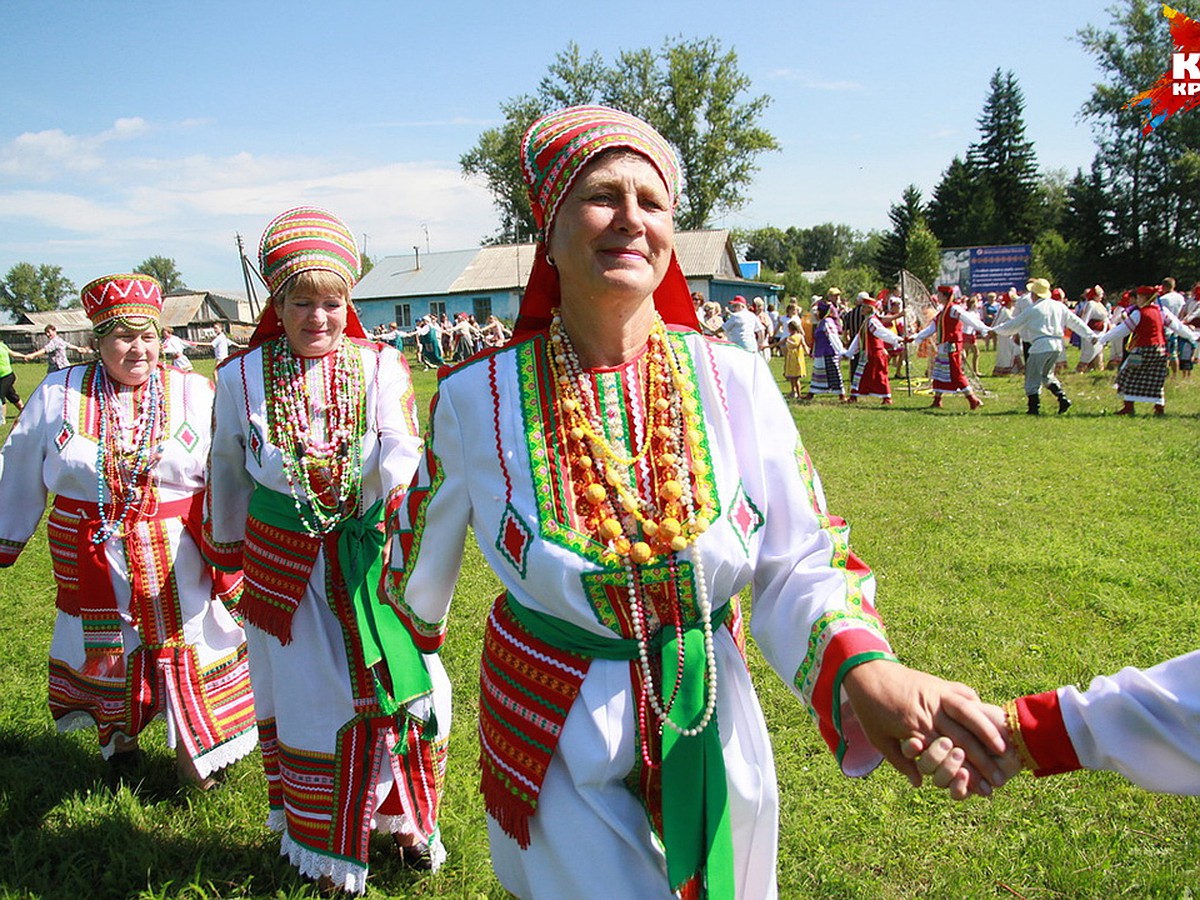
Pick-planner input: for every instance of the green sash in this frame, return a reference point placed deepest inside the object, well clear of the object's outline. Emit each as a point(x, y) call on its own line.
point(696, 829)
point(386, 643)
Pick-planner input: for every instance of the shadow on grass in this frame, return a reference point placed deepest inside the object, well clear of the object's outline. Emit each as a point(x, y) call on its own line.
point(68, 832)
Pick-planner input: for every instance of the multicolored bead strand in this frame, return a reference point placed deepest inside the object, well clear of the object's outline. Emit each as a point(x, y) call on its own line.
point(126, 451)
point(320, 436)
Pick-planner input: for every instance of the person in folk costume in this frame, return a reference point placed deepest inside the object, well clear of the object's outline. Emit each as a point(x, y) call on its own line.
point(853, 319)
point(1189, 316)
point(895, 316)
point(827, 354)
point(144, 628)
point(870, 346)
point(625, 477)
point(1116, 315)
point(1045, 321)
point(1008, 347)
point(1143, 370)
point(315, 440)
point(1141, 723)
point(947, 325)
point(1091, 310)
point(1059, 296)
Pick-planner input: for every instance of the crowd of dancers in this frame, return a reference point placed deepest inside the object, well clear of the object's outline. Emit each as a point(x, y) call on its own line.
point(1148, 332)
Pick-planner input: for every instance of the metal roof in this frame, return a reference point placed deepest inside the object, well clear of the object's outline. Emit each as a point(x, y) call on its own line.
point(398, 276)
point(702, 254)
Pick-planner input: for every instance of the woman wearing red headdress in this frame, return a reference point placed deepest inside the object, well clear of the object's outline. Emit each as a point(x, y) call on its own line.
point(1143, 371)
point(872, 342)
point(947, 325)
point(625, 478)
point(143, 628)
point(314, 442)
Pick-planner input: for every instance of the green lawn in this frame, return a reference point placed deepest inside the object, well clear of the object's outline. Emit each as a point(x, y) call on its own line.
point(1013, 553)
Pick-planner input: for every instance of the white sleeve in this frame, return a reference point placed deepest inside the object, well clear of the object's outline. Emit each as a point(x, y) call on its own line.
point(927, 331)
point(396, 424)
point(884, 333)
point(22, 482)
point(227, 494)
point(1172, 324)
point(430, 530)
point(1142, 724)
point(1119, 331)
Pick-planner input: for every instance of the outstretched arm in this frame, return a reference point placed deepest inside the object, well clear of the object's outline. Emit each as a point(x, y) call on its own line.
point(900, 709)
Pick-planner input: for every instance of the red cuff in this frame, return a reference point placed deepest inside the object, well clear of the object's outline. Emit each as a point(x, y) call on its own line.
point(1044, 734)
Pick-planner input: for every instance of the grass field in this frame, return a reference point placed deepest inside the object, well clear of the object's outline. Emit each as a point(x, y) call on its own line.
point(1012, 553)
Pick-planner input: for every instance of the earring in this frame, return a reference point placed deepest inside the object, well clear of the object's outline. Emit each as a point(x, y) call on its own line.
point(550, 260)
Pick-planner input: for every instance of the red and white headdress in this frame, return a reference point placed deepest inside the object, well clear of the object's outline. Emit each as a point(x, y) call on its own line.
point(554, 151)
point(113, 297)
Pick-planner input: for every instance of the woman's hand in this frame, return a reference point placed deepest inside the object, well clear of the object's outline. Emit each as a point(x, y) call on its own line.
point(903, 709)
point(942, 761)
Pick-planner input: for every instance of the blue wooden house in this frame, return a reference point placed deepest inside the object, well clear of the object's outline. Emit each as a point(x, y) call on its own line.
point(489, 281)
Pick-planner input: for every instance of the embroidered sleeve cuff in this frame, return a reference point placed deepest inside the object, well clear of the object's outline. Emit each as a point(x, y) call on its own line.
point(428, 636)
point(1041, 735)
point(846, 648)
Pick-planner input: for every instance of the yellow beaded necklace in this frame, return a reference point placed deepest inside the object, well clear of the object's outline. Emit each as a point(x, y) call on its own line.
point(607, 497)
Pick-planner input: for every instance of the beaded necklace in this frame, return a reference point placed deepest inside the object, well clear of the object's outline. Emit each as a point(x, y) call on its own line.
point(128, 446)
point(318, 418)
point(638, 530)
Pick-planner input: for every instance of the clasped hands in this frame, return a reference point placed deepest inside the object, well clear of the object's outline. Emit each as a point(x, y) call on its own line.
point(928, 727)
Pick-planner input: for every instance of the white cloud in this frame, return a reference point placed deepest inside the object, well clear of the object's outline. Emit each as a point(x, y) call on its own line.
point(71, 200)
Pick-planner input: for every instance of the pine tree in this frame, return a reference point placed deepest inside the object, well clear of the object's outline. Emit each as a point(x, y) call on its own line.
point(962, 208)
point(1006, 163)
point(892, 255)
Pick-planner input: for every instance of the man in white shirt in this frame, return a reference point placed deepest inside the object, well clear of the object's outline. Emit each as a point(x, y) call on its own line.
point(743, 327)
point(1044, 321)
point(1172, 301)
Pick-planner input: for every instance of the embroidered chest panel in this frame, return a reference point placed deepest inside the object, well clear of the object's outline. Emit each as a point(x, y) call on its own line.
point(622, 420)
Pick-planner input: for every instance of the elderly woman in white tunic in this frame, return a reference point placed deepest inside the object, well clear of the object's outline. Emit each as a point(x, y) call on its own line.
point(626, 477)
point(144, 626)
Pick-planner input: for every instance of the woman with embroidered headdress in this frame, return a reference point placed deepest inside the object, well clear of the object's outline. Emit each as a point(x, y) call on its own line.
point(947, 327)
point(314, 442)
point(143, 629)
point(625, 477)
point(871, 345)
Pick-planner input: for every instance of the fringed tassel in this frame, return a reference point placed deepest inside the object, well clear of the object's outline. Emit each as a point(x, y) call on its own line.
point(505, 804)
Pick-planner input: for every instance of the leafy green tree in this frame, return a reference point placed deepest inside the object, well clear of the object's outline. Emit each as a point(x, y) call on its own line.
point(30, 288)
point(770, 246)
point(692, 91)
point(892, 255)
point(922, 252)
point(1144, 176)
point(1053, 259)
point(163, 269)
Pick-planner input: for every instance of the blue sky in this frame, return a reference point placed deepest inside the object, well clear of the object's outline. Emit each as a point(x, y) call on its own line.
point(132, 129)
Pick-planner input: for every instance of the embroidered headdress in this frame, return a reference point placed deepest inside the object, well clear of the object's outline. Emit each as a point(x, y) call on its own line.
point(554, 151)
point(306, 239)
point(116, 298)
